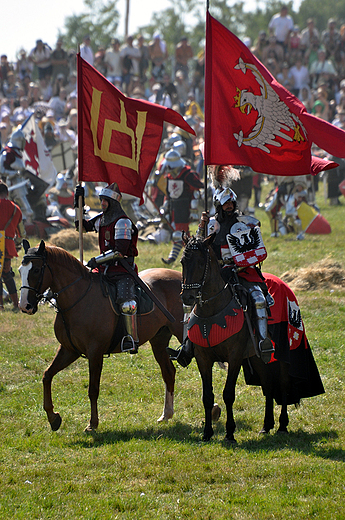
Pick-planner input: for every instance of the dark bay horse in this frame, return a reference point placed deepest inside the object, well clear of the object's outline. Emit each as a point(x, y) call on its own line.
point(203, 285)
point(86, 325)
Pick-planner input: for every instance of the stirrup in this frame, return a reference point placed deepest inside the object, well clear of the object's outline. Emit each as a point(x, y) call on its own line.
point(173, 354)
point(266, 349)
point(129, 345)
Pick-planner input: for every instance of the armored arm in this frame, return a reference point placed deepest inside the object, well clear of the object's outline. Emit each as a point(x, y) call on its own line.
point(103, 258)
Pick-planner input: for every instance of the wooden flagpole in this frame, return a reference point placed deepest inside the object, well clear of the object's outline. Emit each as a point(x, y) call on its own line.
point(80, 153)
point(205, 165)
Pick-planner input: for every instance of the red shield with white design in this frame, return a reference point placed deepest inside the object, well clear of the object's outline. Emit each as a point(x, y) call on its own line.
point(246, 245)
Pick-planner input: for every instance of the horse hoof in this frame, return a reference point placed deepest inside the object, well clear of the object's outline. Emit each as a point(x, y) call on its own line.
point(231, 441)
point(216, 411)
point(165, 417)
point(55, 425)
point(264, 431)
point(89, 429)
point(285, 431)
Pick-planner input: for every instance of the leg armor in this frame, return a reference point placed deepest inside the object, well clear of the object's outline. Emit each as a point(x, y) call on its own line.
point(128, 306)
point(260, 305)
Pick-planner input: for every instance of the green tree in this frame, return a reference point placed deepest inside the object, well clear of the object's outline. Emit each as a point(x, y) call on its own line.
point(100, 20)
point(321, 11)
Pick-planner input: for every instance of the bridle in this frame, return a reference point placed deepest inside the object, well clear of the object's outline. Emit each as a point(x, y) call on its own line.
point(51, 296)
point(36, 290)
point(200, 285)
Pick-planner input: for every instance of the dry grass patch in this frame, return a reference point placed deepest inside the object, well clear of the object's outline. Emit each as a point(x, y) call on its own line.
point(325, 274)
point(69, 239)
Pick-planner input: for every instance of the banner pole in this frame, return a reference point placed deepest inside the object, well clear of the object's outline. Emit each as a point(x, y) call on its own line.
point(205, 165)
point(80, 153)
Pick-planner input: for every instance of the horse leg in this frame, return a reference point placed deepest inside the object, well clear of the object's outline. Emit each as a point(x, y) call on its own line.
point(63, 359)
point(269, 414)
point(205, 369)
point(95, 371)
point(229, 399)
point(266, 381)
point(284, 384)
point(159, 344)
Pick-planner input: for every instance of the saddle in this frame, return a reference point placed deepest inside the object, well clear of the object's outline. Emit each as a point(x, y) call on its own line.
point(109, 290)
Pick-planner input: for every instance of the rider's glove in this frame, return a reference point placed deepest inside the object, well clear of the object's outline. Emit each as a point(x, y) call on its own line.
point(79, 192)
point(92, 264)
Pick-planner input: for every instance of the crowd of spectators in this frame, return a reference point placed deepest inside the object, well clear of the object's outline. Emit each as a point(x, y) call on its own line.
point(308, 62)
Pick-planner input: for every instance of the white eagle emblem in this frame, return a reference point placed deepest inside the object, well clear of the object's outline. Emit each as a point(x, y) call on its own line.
point(274, 117)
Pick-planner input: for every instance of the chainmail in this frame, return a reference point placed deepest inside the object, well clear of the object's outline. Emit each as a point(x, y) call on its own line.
point(113, 212)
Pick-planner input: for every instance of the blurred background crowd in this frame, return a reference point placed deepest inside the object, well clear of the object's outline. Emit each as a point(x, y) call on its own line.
point(309, 61)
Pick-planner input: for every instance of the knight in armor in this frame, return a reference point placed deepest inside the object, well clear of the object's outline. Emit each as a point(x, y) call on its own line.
point(117, 239)
point(12, 232)
point(11, 159)
point(11, 167)
point(181, 182)
point(229, 223)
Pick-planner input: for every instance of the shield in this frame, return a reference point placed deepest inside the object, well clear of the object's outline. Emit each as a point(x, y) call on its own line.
point(246, 245)
point(2, 250)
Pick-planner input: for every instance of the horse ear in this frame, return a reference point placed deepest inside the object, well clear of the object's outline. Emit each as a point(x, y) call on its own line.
point(42, 247)
point(185, 238)
point(26, 245)
point(209, 239)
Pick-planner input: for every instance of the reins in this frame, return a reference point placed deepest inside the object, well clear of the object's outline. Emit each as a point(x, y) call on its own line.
point(201, 284)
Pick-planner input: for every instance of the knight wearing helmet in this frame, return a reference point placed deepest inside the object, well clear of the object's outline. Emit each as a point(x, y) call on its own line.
point(117, 239)
point(11, 159)
point(181, 183)
point(239, 248)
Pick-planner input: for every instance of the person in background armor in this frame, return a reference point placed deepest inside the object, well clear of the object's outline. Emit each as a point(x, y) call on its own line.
point(12, 226)
point(117, 239)
point(11, 159)
point(182, 181)
point(227, 222)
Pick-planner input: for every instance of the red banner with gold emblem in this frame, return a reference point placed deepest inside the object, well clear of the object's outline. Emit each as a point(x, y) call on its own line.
point(118, 137)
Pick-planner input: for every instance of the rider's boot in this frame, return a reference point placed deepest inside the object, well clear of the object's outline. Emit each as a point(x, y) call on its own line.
point(130, 342)
point(184, 354)
point(266, 347)
point(126, 299)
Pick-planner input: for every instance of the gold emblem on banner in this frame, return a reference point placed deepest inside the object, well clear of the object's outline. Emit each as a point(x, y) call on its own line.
point(113, 126)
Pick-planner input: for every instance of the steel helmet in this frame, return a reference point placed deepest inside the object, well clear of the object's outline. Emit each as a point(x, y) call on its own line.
point(222, 195)
point(180, 147)
point(17, 140)
point(171, 140)
point(60, 180)
point(112, 192)
point(174, 160)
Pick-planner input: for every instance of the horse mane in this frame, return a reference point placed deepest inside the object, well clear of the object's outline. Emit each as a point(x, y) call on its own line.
point(65, 259)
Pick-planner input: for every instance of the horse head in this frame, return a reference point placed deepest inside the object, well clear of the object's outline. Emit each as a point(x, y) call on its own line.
point(32, 277)
point(195, 268)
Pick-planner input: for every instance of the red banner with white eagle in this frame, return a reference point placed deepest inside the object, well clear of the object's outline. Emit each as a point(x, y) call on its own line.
point(119, 137)
point(250, 119)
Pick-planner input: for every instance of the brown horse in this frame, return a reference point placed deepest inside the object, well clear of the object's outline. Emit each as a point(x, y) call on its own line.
point(204, 286)
point(86, 325)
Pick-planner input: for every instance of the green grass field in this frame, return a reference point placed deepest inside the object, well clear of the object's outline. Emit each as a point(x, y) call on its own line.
point(135, 468)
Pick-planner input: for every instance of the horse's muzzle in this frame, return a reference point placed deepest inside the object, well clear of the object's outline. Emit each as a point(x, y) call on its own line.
point(188, 297)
